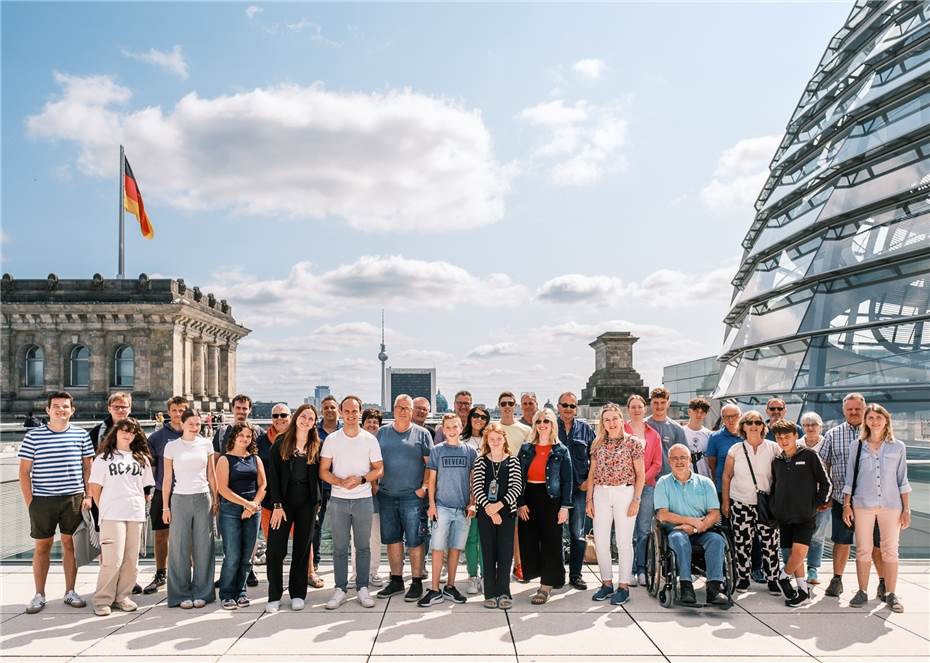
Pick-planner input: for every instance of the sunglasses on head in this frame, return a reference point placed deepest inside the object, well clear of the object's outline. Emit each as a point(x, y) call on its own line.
point(279, 415)
point(570, 406)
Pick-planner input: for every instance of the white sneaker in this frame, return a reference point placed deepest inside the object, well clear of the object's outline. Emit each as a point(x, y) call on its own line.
point(473, 583)
point(74, 599)
point(273, 606)
point(36, 604)
point(365, 598)
point(641, 579)
point(337, 599)
point(375, 580)
point(297, 604)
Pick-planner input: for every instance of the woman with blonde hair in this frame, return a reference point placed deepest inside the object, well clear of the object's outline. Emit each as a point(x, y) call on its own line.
point(546, 472)
point(496, 485)
point(615, 481)
point(877, 489)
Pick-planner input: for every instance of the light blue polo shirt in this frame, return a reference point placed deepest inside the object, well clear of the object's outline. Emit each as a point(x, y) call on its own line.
point(693, 498)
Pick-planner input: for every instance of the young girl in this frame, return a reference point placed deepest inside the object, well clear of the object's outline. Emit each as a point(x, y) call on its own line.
point(119, 477)
point(473, 436)
point(240, 479)
point(496, 484)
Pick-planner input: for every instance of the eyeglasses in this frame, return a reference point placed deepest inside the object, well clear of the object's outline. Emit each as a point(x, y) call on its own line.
point(753, 422)
point(776, 409)
point(543, 422)
point(279, 415)
point(570, 406)
point(478, 415)
point(121, 407)
point(463, 403)
point(507, 403)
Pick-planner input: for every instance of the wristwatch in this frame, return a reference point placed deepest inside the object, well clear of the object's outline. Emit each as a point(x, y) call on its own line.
point(364, 480)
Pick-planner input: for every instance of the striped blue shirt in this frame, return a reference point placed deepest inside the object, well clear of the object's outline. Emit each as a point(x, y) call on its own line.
point(56, 459)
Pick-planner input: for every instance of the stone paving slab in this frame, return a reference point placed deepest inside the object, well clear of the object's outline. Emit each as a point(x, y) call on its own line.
point(316, 633)
point(477, 634)
point(850, 634)
point(57, 634)
point(575, 635)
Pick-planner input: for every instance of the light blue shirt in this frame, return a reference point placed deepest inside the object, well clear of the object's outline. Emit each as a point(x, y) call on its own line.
point(693, 498)
point(882, 476)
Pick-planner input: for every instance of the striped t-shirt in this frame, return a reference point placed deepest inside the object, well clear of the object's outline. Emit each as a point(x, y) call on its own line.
point(56, 459)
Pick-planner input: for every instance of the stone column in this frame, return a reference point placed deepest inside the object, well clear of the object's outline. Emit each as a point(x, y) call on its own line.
point(188, 364)
point(223, 371)
point(197, 366)
point(213, 369)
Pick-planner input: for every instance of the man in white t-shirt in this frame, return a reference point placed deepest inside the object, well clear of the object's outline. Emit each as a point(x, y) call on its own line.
point(698, 434)
point(517, 433)
point(350, 461)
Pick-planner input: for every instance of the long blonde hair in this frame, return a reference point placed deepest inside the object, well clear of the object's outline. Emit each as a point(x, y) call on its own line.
point(601, 436)
point(549, 415)
point(865, 433)
point(494, 428)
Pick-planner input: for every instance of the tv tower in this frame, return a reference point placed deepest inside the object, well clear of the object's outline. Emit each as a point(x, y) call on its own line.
point(382, 357)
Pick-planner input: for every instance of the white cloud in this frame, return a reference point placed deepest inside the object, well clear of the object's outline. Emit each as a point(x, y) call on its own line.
point(172, 62)
point(371, 281)
point(591, 69)
point(741, 171)
point(252, 10)
point(572, 288)
point(494, 350)
point(582, 140)
point(397, 160)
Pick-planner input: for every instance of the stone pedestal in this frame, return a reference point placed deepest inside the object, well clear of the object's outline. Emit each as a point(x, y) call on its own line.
point(614, 379)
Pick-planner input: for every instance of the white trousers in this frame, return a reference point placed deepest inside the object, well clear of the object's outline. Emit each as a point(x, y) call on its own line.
point(610, 508)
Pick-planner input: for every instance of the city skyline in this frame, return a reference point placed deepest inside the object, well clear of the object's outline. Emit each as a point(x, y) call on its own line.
point(545, 174)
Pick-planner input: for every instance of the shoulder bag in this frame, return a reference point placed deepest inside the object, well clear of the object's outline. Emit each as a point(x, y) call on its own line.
point(763, 510)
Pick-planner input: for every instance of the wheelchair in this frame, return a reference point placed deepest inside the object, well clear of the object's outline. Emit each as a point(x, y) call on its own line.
point(662, 573)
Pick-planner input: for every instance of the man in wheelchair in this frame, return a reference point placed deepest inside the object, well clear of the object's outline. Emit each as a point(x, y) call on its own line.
point(688, 513)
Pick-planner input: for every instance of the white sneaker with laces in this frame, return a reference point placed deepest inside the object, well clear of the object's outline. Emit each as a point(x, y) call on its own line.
point(337, 599)
point(297, 604)
point(375, 580)
point(365, 598)
point(472, 587)
point(74, 599)
point(273, 606)
point(36, 604)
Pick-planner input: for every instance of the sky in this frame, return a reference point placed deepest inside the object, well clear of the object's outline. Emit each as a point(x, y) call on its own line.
point(507, 181)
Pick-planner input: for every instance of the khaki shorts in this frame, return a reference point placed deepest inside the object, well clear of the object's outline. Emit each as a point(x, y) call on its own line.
point(48, 512)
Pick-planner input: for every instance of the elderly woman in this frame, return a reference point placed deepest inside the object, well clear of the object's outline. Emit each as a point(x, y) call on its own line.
point(877, 490)
point(748, 470)
point(546, 472)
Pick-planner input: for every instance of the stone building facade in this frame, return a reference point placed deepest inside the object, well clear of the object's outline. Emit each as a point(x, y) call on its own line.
point(155, 338)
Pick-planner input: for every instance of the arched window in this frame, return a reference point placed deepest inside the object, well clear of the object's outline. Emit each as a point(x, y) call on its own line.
point(124, 366)
point(80, 367)
point(35, 367)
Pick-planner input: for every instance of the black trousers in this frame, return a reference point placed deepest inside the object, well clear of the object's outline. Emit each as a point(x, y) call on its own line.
point(496, 552)
point(302, 516)
point(319, 526)
point(541, 538)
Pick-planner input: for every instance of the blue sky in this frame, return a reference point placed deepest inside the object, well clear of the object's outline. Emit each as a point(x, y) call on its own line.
point(506, 181)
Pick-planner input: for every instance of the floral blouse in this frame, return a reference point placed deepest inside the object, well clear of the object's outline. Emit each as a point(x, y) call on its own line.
point(614, 461)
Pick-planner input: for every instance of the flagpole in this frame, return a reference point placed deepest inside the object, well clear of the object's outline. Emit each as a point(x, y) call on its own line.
point(122, 214)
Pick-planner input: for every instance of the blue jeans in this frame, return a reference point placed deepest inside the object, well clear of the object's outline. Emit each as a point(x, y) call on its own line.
point(815, 552)
point(643, 526)
point(713, 544)
point(238, 541)
point(576, 530)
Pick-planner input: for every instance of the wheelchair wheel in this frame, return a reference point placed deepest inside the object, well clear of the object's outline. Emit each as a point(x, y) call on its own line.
point(667, 595)
point(729, 572)
point(652, 565)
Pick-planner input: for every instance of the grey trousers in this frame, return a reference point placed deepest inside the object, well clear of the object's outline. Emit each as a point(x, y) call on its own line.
point(190, 538)
point(355, 516)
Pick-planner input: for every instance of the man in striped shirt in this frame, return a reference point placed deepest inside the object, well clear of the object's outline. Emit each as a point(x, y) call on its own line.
point(54, 466)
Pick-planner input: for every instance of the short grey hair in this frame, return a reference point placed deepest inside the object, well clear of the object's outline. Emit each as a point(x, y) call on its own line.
point(281, 406)
point(403, 397)
point(738, 410)
point(811, 418)
point(854, 396)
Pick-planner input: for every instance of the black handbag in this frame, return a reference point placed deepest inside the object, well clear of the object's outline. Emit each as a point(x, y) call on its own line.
point(763, 509)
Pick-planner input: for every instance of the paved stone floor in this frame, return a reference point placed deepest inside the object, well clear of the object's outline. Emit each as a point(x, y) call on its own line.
point(571, 627)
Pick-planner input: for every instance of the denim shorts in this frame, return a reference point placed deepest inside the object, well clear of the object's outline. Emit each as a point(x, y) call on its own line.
point(449, 530)
point(400, 519)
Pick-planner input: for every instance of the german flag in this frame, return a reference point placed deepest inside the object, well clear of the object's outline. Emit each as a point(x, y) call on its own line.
point(132, 201)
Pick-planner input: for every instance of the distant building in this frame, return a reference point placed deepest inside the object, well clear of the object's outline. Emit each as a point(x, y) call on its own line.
point(415, 382)
point(688, 380)
point(442, 405)
point(262, 409)
point(155, 338)
point(320, 392)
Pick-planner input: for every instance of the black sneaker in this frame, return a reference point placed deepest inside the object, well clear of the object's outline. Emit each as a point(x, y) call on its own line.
point(251, 580)
point(799, 597)
point(716, 594)
point(160, 580)
point(137, 589)
point(395, 586)
point(578, 583)
point(835, 588)
point(742, 585)
point(453, 594)
point(880, 594)
point(786, 588)
point(687, 592)
point(432, 597)
point(774, 588)
point(415, 591)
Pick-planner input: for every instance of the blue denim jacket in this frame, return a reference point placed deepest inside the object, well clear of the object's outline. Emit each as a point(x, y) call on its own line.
point(559, 479)
point(578, 440)
point(882, 477)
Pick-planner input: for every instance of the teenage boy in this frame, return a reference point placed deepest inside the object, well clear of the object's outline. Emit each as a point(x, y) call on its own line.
point(451, 507)
point(698, 435)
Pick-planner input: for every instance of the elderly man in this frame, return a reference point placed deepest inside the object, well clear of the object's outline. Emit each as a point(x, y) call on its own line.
point(719, 443)
point(421, 409)
point(687, 507)
point(577, 436)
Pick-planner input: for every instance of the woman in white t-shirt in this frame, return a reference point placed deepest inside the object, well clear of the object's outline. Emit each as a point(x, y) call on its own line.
point(189, 491)
point(119, 477)
point(740, 501)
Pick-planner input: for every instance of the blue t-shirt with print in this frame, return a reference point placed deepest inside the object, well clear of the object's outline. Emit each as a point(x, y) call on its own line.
point(453, 465)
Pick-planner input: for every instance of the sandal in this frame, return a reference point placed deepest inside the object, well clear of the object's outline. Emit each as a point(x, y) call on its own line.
point(314, 581)
point(540, 597)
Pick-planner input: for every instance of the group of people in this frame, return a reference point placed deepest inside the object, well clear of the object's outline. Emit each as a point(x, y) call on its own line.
point(500, 492)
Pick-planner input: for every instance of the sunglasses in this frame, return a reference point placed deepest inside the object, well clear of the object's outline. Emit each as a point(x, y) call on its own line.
point(483, 417)
point(570, 406)
point(754, 422)
point(507, 403)
point(279, 415)
point(543, 422)
point(776, 409)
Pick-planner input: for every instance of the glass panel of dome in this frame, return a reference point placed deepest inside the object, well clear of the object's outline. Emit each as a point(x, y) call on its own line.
point(790, 266)
point(877, 130)
point(808, 212)
point(768, 369)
